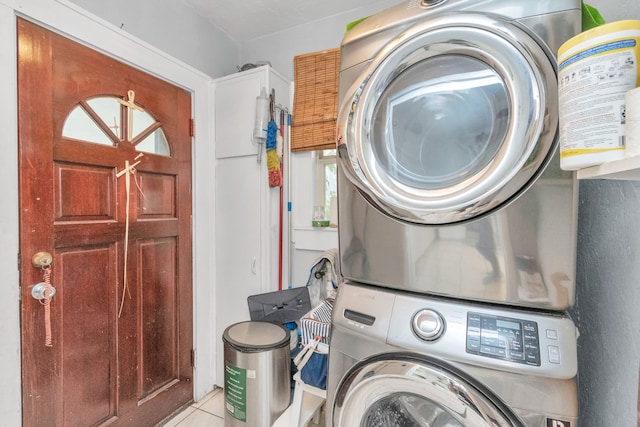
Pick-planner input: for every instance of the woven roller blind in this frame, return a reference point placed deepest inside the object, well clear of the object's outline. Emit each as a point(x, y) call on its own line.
point(315, 100)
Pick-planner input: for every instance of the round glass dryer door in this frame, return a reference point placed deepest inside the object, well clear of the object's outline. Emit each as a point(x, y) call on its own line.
point(407, 390)
point(452, 119)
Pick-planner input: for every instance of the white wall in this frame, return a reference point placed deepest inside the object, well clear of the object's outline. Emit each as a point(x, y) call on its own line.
point(10, 397)
point(280, 48)
point(173, 27)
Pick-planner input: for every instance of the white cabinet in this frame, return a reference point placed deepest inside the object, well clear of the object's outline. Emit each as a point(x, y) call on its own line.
point(235, 103)
point(246, 209)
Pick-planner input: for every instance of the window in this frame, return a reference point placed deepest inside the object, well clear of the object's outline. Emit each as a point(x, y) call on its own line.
point(326, 180)
point(99, 120)
point(315, 107)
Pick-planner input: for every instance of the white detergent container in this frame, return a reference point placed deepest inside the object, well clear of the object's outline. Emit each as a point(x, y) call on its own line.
point(595, 70)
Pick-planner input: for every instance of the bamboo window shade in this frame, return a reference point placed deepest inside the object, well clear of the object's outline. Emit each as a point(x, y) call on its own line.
point(315, 100)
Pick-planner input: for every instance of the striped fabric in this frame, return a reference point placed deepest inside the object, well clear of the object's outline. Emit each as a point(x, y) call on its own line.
point(316, 324)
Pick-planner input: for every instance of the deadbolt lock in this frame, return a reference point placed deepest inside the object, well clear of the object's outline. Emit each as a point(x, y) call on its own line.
point(41, 259)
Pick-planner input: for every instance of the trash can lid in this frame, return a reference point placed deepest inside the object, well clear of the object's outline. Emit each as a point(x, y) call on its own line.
point(253, 336)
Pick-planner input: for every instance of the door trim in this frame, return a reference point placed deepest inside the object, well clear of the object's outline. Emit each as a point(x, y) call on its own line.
point(64, 17)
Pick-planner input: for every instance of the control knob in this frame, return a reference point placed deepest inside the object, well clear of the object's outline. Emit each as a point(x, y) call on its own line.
point(428, 324)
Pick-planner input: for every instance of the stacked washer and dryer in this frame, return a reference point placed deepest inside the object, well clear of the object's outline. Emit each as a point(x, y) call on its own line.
point(457, 227)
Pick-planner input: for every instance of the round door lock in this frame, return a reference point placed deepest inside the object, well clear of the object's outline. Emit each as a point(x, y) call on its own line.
point(428, 324)
point(39, 291)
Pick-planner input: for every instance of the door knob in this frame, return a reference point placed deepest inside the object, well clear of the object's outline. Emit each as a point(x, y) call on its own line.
point(41, 259)
point(43, 290)
point(39, 289)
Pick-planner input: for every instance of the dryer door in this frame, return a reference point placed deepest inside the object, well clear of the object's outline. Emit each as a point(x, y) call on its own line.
point(453, 118)
point(409, 390)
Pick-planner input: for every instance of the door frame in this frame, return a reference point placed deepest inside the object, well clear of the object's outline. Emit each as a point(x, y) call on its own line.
point(68, 19)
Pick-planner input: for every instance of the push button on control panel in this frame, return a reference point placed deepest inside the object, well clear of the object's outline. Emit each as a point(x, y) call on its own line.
point(531, 343)
point(554, 354)
point(473, 333)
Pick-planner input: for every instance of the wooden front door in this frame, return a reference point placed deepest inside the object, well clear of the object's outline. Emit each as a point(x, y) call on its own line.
point(105, 188)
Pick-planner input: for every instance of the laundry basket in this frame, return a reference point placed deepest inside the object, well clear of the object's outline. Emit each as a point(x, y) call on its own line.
point(257, 373)
point(311, 362)
point(315, 329)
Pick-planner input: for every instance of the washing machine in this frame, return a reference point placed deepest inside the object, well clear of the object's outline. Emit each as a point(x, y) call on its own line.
point(401, 359)
point(448, 172)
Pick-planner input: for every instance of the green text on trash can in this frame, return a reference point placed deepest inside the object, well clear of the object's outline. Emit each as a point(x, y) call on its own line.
point(235, 391)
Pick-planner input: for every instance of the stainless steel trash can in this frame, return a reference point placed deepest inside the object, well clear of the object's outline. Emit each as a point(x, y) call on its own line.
point(257, 383)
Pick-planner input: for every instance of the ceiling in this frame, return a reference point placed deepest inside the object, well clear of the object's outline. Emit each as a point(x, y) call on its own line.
point(248, 19)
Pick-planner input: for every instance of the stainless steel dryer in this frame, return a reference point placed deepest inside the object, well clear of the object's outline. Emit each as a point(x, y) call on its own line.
point(448, 176)
point(398, 359)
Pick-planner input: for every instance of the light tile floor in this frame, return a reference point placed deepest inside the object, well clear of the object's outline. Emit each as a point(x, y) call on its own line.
point(209, 412)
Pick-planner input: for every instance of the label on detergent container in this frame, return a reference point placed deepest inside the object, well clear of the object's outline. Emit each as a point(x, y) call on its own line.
point(235, 391)
point(592, 85)
point(595, 70)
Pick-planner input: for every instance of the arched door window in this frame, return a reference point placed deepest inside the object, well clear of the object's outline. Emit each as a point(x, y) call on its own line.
point(103, 120)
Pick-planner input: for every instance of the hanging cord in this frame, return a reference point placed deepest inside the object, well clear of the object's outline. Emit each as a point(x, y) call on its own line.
point(129, 169)
point(46, 302)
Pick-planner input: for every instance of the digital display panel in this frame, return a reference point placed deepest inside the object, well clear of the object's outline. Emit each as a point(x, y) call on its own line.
point(507, 324)
point(503, 338)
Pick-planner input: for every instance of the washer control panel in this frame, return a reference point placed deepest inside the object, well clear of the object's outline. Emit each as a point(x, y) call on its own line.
point(504, 338)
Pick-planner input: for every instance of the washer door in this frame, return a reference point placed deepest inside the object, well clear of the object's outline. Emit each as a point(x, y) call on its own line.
point(402, 389)
point(453, 118)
